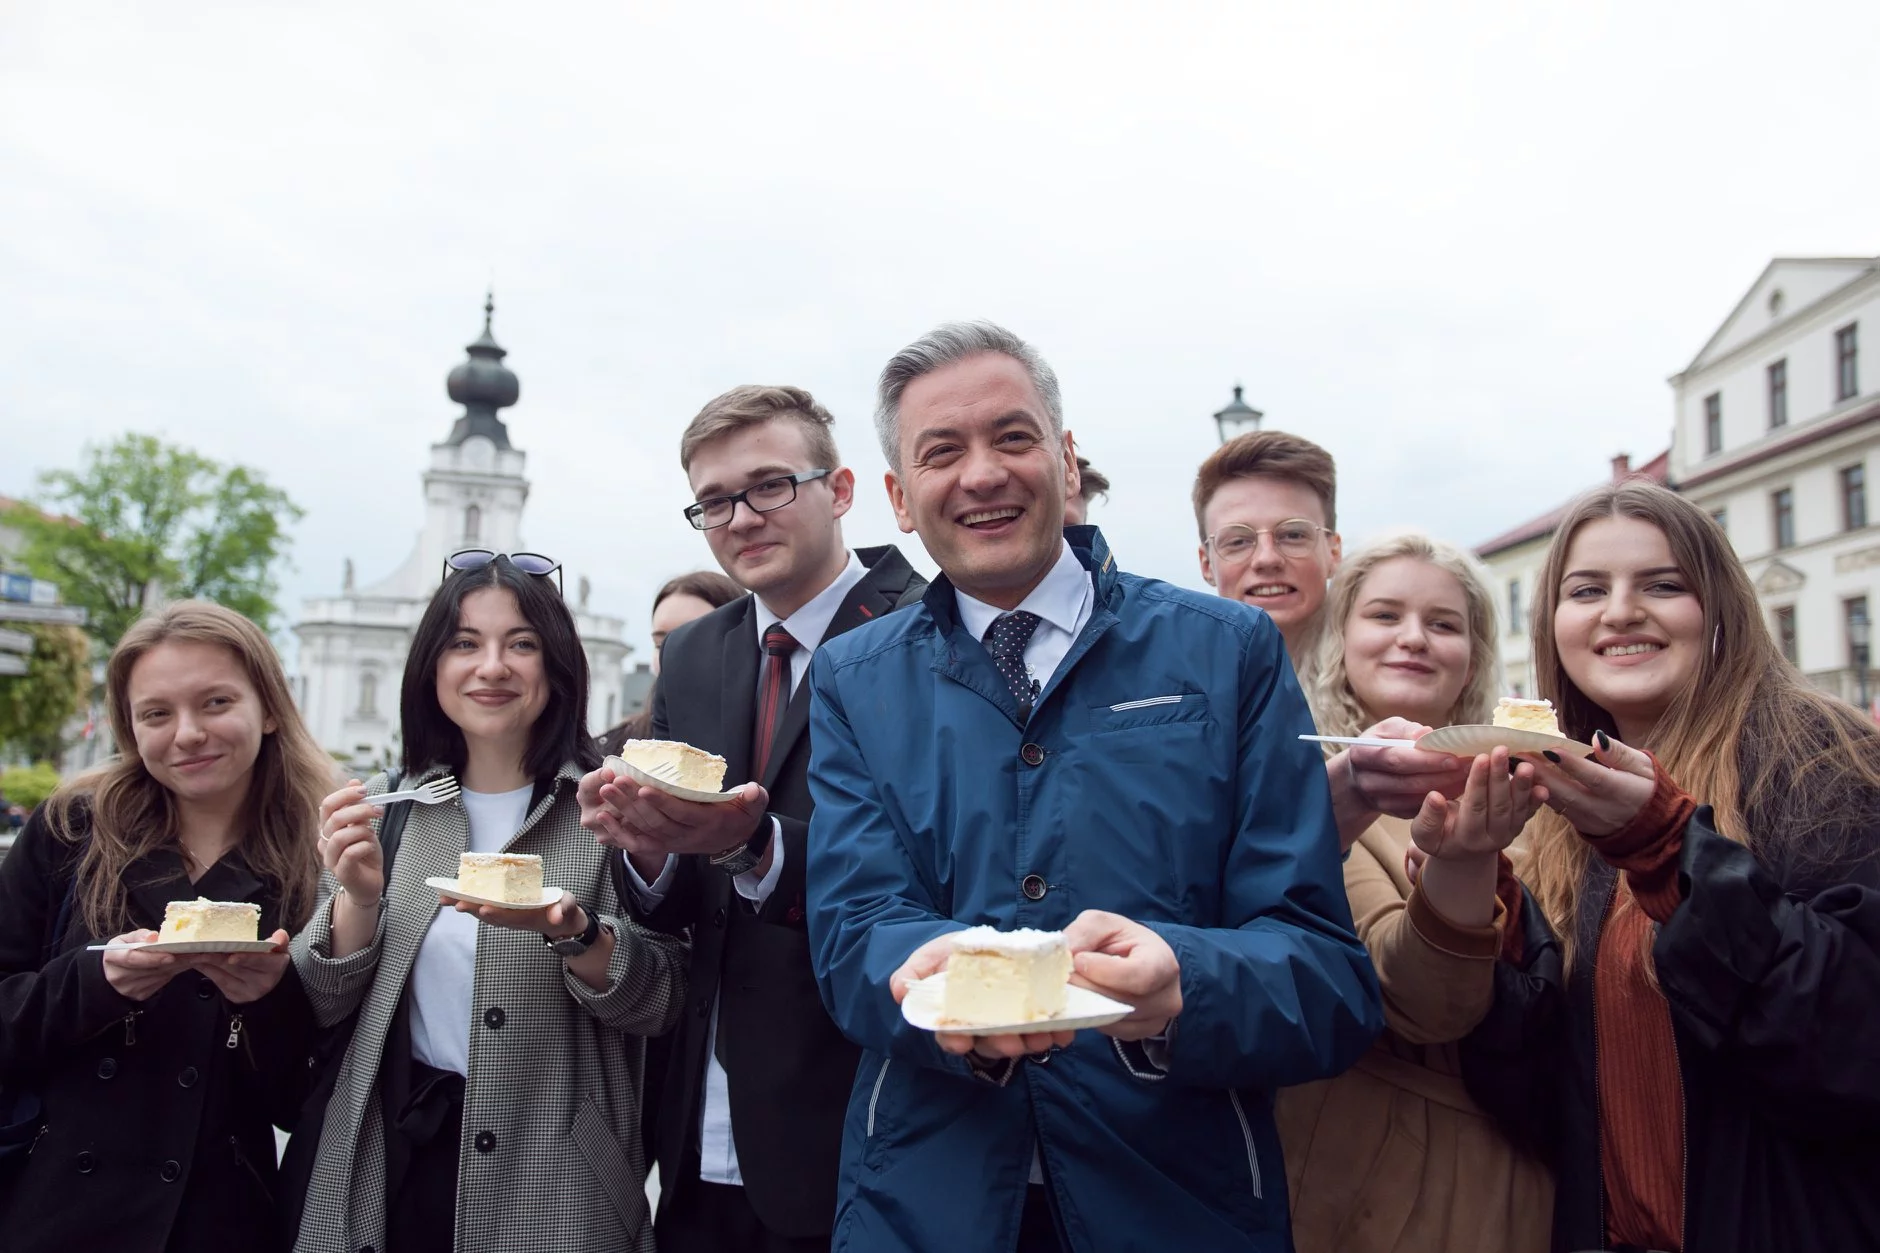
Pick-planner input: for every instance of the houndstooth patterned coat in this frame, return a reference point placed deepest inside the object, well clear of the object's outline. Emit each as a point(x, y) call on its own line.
point(557, 1081)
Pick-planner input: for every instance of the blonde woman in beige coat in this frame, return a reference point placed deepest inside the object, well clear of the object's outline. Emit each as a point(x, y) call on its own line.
point(1393, 1156)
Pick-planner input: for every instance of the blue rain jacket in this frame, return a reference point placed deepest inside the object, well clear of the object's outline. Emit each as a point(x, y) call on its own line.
point(1171, 787)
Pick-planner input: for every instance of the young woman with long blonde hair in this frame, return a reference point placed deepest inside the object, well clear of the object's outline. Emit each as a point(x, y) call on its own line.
point(1393, 1155)
point(157, 1076)
point(1687, 1030)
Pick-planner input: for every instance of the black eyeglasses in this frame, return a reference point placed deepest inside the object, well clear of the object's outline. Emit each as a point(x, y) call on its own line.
point(715, 511)
point(529, 563)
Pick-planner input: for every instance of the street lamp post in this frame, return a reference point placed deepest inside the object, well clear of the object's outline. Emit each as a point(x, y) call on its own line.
point(1859, 635)
point(1237, 417)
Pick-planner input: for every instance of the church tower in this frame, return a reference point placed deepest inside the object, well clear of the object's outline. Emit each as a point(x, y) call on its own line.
point(353, 645)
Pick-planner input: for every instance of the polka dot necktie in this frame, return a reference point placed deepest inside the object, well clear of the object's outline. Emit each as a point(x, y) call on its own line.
point(1005, 640)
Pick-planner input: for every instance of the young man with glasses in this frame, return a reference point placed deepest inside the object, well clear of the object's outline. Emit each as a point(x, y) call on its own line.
point(750, 1113)
point(1265, 503)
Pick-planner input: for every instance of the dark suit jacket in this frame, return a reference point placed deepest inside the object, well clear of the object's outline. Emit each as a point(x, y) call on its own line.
point(789, 1069)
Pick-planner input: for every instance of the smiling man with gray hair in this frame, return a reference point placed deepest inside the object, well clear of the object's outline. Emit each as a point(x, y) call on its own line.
point(1047, 742)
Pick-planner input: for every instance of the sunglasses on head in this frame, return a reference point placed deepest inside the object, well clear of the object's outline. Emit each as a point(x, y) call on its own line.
point(529, 563)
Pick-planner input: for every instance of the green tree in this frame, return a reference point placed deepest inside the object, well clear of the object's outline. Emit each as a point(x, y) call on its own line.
point(26, 786)
point(151, 521)
point(35, 706)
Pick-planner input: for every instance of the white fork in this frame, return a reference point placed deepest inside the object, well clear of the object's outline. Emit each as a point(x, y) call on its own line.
point(436, 792)
point(667, 770)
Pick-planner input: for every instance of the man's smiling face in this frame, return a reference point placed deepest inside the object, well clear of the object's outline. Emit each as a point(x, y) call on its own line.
point(982, 477)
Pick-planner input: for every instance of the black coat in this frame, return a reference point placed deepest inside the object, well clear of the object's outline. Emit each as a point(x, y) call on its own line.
point(788, 1068)
point(158, 1115)
point(1772, 975)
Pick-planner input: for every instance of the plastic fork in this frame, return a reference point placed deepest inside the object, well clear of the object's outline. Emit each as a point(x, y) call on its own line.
point(666, 770)
point(436, 792)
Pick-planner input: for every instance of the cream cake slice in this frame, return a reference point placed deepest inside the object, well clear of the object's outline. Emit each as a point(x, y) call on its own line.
point(515, 878)
point(677, 763)
point(1526, 715)
point(996, 977)
point(204, 919)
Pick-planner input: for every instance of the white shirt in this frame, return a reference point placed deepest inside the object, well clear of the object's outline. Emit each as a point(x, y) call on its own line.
point(718, 1154)
point(443, 980)
point(1063, 602)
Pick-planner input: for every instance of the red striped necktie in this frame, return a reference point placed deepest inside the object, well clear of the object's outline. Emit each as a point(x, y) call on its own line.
point(773, 693)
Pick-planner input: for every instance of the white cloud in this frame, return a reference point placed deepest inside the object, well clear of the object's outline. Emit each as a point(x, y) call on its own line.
point(1461, 245)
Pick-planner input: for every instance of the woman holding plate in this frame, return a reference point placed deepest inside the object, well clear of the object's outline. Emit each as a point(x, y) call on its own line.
point(489, 1097)
point(1393, 1155)
point(138, 1089)
point(1685, 1025)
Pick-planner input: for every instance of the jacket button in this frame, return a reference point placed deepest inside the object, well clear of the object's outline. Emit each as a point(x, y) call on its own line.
point(718, 919)
point(107, 1068)
point(205, 989)
point(486, 1141)
point(170, 1172)
point(1034, 887)
point(87, 1162)
point(493, 1017)
point(1031, 755)
point(188, 1078)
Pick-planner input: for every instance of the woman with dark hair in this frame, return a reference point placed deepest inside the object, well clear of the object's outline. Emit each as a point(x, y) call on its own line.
point(143, 1085)
point(489, 1097)
point(681, 600)
point(1685, 1023)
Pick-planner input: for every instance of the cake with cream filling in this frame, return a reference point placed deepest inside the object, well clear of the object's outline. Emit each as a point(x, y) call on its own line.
point(676, 763)
point(203, 919)
point(1527, 715)
point(515, 878)
point(996, 977)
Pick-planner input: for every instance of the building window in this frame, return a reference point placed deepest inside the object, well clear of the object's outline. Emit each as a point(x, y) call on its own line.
point(1853, 497)
point(1782, 505)
point(1514, 607)
point(1775, 303)
point(1713, 424)
point(1854, 610)
point(472, 524)
point(1779, 393)
point(1785, 632)
point(1722, 518)
point(368, 694)
point(1847, 362)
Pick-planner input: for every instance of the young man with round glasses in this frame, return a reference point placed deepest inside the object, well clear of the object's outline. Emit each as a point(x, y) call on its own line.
point(749, 1117)
point(1265, 503)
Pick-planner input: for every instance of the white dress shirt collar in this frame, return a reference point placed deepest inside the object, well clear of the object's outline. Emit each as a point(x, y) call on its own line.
point(1060, 599)
point(808, 625)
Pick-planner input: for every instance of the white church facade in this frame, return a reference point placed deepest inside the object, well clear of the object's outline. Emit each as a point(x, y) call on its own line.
point(353, 644)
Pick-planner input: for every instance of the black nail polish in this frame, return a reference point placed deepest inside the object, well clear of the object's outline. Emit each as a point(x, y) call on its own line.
point(1551, 755)
point(1605, 744)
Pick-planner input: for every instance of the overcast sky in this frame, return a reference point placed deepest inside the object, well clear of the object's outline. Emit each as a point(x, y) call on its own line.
point(1462, 246)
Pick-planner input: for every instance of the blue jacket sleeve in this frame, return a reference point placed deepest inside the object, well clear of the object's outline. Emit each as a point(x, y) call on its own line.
point(869, 905)
point(1281, 990)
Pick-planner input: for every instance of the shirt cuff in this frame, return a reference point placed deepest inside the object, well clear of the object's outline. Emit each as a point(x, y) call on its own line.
point(650, 895)
point(757, 890)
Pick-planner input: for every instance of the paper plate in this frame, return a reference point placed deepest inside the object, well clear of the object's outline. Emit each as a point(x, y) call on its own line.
point(623, 768)
point(189, 946)
point(449, 888)
point(1472, 741)
point(926, 1000)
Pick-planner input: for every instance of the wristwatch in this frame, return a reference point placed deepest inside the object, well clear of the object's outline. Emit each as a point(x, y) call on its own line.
point(740, 858)
point(575, 945)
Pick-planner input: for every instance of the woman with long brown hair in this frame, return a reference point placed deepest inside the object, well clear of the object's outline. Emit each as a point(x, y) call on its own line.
point(1687, 1030)
point(681, 599)
point(1392, 1156)
point(157, 1077)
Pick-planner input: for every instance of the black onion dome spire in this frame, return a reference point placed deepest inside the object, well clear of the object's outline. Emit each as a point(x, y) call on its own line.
point(482, 385)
